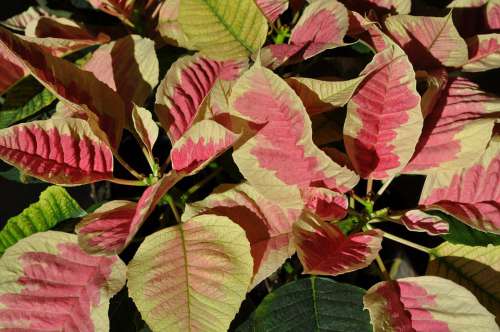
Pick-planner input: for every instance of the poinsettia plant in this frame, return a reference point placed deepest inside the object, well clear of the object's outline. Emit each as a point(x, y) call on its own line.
point(275, 152)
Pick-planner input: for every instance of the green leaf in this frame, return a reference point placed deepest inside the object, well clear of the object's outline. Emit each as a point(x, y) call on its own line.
point(223, 29)
point(13, 174)
point(54, 205)
point(311, 304)
point(32, 106)
point(460, 233)
point(475, 268)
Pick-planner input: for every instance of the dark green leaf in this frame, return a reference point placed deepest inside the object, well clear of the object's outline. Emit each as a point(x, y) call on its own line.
point(13, 174)
point(32, 106)
point(311, 304)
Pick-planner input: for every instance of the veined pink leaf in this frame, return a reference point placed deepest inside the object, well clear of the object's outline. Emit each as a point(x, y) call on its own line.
point(323, 249)
point(281, 158)
point(325, 203)
point(107, 228)
point(493, 14)
point(110, 228)
point(484, 53)
point(187, 83)
point(471, 194)
point(419, 221)
point(129, 66)
point(384, 120)
point(192, 276)
point(268, 227)
point(272, 9)
point(322, 26)
point(315, 93)
point(456, 132)
point(426, 304)
point(50, 284)
point(200, 144)
point(119, 8)
point(74, 86)
point(429, 41)
point(467, 3)
point(21, 20)
point(145, 127)
point(60, 151)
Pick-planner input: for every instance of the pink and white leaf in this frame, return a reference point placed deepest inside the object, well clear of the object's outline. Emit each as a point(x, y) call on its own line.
point(430, 42)
point(169, 27)
point(11, 70)
point(426, 304)
point(493, 14)
point(61, 151)
point(107, 228)
point(50, 284)
point(281, 158)
point(145, 127)
point(456, 132)
point(268, 227)
point(128, 65)
point(184, 88)
point(471, 194)
point(111, 228)
point(21, 20)
point(368, 31)
point(384, 120)
point(322, 26)
point(272, 9)
point(324, 250)
point(76, 87)
point(484, 53)
point(325, 204)
point(420, 221)
point(199, 145)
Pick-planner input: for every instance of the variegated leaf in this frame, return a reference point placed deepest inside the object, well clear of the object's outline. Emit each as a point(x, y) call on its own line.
point(484, 53)
point(192, 276)
point(268, 227)
point(145, 127)
point(420, 221)
point(77, 87)
point(493, 14)
point(128, 65)
point(457, 130)
point(272, 9)
point(110, 228)
point(199, 145)
point(119, 8)
point(50, 284)
point(187, 83)
point(323, 249)
point(471, 194)
point(429, 41)
point(426, 304)
point(281, 158)
point(384, 120)
point(60, 151)
point(325, 204)
point(20, 21)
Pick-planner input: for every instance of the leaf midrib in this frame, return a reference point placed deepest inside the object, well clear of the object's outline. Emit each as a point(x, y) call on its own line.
point(228, 27)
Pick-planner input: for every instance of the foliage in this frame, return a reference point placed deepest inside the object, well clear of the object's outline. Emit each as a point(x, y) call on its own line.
point(258, 140)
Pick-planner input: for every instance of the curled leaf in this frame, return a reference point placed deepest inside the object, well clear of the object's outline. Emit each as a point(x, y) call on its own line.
point(484, 53)
point(145, 127)
point(420, 221)
point(272, 9)
point(323, 248)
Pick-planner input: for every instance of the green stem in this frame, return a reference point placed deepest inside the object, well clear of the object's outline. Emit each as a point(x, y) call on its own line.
point(171, 203)
point(126, 182)
point(407, 243)
point(200, 184)
point(128, 167)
